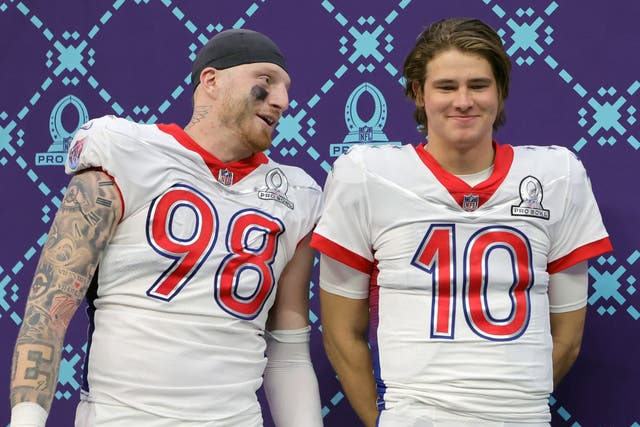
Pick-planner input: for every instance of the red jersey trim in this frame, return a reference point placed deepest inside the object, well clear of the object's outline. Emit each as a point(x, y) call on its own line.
point(374, 306)
point(341, 254)
point(240, 168)
point(583, 253)
point(457, 187)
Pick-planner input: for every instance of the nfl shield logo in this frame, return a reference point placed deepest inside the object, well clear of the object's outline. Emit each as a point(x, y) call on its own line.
point(470, 202)
point(365, 133)
point(225, 177)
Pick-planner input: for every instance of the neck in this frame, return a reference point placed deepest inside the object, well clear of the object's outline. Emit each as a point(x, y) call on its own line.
point(463, 161)
point(218, 140)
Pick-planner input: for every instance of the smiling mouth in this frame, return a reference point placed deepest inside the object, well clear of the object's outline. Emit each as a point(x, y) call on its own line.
point(268, 119)
point(463, 119)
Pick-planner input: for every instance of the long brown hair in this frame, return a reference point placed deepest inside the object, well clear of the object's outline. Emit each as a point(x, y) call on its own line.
point(467, 35)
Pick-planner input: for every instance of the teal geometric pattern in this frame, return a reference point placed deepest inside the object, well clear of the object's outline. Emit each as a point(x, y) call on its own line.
point(364, 45)
point(63, 64)
point(614, 286)
point(70, 375)
point(568, 419)
point(606, 116)
point(562, 412)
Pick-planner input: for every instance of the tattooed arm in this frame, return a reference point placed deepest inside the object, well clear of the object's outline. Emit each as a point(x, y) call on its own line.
point(81, 230)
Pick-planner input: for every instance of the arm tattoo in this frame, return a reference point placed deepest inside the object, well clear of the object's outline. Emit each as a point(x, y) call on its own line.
point(78, 237)
point(36, 362)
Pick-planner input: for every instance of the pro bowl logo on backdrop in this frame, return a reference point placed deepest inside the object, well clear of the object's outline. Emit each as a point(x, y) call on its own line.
point(61, 133)
point(362, 131)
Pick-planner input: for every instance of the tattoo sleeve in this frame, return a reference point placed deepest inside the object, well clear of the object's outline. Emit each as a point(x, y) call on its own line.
point(80, 232)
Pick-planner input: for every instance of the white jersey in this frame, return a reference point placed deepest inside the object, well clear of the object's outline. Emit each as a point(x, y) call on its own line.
point(185, 286)
point(459, 314)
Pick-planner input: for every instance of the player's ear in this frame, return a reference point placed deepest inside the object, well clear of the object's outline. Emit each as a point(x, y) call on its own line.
point(209, 78)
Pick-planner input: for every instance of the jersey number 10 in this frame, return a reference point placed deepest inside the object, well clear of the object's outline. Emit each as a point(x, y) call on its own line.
point(436, 255)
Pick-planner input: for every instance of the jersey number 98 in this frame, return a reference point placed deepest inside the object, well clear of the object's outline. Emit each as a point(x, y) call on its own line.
point(190, 252)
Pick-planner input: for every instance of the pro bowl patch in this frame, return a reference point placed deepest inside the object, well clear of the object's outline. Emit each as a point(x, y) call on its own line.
point(74, 153)
point(530, 199)
point(277, 187)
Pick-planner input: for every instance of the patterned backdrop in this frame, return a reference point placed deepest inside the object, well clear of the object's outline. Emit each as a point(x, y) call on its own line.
point(576, 82)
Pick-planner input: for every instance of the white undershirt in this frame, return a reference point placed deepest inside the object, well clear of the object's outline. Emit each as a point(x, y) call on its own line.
point(474, 179)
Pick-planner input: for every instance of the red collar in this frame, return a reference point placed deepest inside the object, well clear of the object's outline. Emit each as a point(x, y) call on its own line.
point(235, 170)
point(457, 187)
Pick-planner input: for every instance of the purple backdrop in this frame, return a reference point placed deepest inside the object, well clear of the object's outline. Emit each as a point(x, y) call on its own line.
point(575, 83)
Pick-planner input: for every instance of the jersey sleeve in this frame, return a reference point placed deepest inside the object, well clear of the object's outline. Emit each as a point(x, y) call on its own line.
point(343, 232)
point(313, 205)
point(127, 153)
point(307, 199)
point(340, 279)
point(581, 234)
point(88, 149)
